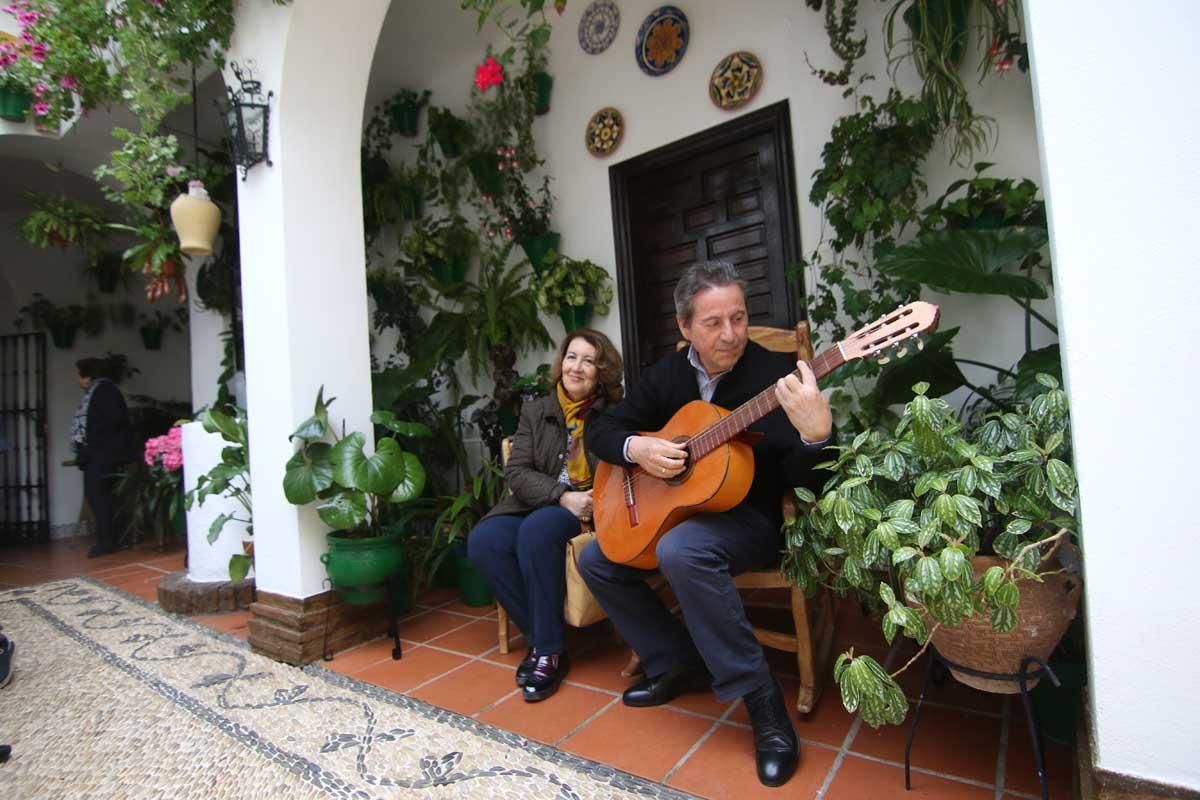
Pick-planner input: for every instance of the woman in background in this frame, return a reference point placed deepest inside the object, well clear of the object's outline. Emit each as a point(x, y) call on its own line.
point(521, 545)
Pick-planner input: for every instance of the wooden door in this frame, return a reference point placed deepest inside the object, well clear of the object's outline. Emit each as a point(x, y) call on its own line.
point(726, 193)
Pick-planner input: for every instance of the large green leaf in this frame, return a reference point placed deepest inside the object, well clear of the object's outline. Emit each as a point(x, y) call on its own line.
point(414, 430)
point(378, 473)
point(345, 511)
point(216, 421)
point(935, 365)
point(412, 482)
point(1046, 360)
point(308, 473)
point(239, 565)
point(970, 261)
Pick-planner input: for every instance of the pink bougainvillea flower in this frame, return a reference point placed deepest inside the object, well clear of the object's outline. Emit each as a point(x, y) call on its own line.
point(174, 171)
point(39, 90)
point(69, 82)
point(41, 109)
point(38, 52)
point(488, 74)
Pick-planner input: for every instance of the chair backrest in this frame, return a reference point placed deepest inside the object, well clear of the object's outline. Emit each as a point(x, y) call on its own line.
point(778, 340)
point(505, 450)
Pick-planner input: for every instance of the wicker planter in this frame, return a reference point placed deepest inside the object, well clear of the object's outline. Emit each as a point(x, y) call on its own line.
point(1045, 611)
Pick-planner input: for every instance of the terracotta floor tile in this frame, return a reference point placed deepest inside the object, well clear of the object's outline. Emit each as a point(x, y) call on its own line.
point(460, 607)
point(1020, 774)
point(359, 658)
point(469, 690)
point(23, 575)
point(423, 627)
point(662, 735)
point(170, 562)
point(513, 657)
point(948, 741)
point(854, 627)
point(131, 575)
point(437, 597)
point(827, 723)
point(951, 692)
point(418, 665)
point(145, 590)
point(110, 574)
point(862, 779)
point(600, 668)
point(553, 718)
point(474, 639)
point(723, 768)
point(705, 703)
point(233, 621)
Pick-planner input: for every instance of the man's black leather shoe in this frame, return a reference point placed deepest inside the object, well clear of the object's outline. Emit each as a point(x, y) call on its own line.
point(525, 667)
point(776, 748)
point(665, 688)
point(548, 672)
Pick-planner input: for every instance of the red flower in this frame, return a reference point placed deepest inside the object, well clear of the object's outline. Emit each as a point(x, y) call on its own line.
point(488, 74)
point(1004, 64)
point(994, 50)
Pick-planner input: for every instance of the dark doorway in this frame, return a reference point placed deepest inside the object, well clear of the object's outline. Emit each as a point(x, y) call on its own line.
point(24, 499)
point(724, 193)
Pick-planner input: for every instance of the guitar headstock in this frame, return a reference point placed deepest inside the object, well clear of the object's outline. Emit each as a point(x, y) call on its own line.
point(892, 332)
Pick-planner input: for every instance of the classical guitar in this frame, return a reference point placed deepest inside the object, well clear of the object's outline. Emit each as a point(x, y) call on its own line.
point(632, 509)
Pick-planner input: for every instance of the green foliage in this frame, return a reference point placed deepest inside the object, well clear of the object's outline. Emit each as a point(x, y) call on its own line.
point(573, 282)
point(921, 501)
point(42, 314)
point(357, 491)
point(173, 320)
point(970, 261)
point(432, 247)
point(229, 478)
point(449, 130)
point(63, 222)
point(986, 204)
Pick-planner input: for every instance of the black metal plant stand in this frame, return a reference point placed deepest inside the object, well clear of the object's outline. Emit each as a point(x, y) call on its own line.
point(1020, 678)
point(394, 587)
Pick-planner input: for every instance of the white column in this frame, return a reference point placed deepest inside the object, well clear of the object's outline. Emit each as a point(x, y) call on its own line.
point(303, 280)
point(1119, 131)
point(207, 347)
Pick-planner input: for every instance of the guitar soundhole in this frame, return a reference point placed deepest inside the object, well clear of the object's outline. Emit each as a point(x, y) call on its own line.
point(687, 464)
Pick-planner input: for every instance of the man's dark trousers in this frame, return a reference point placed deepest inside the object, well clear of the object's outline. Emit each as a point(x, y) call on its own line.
point(699, 558)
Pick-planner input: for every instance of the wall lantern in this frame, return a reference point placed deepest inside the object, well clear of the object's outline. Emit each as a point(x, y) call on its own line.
point(246, 119)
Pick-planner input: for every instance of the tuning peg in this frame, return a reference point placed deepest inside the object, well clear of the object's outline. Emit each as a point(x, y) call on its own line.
point(884, 359)
point(902, 352)
point(920, 344)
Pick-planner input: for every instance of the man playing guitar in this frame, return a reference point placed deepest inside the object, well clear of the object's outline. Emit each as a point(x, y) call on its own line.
point(715, 642)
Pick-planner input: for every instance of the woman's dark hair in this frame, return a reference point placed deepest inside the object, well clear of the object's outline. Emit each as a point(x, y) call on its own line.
point(610, 369)
point(90, 368)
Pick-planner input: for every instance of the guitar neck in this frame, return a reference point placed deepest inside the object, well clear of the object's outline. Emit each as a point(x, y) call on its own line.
point(756, 408)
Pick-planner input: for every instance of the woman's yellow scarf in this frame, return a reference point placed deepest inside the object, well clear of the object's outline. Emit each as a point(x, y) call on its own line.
point(574, 411)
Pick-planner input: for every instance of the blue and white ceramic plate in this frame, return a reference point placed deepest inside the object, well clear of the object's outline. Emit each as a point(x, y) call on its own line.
point(662, 41)
point(598, 26)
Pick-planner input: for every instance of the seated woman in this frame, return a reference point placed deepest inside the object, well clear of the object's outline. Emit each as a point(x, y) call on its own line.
point(521, 545)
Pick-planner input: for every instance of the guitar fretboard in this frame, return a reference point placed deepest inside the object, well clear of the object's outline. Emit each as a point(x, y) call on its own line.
point(756, 408)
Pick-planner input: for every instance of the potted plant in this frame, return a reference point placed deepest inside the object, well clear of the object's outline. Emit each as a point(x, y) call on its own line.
point(15, 101)
point(229, 478)
point(150, 494)
point(157, 256)
point(107, 270)
point(521, 215)
point(116, 367)
point(404, 110)
point(988, 203)
point(153, 326)
point(574, 289)
point(966, 519)
point(442, 249)
point(453, 134)
point(410, 185)
point(358, 494)
point(62, 222)
point(63, 322)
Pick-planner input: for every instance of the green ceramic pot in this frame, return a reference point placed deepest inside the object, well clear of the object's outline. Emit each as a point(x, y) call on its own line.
point(537, 247)
point(14, 105)
point(473, 588)
point(575, 317)
point(542, 84)
point(63, 334)
point(152, 338)
point(406, 119)
point(449, 272)
point(486, 171)
point(359, 568)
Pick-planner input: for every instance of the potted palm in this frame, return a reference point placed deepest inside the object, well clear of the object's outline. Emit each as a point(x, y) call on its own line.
point(574, 289)
point(358, 494)
point(969, 522)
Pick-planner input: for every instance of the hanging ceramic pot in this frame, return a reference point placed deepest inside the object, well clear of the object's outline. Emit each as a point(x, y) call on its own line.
point(196, 219)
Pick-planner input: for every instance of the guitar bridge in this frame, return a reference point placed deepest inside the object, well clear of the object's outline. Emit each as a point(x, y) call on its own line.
point(630, 500)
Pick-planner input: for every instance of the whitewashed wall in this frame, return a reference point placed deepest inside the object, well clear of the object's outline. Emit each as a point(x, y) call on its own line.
point(58, 274)
point(1123, 204)
point(439, 51)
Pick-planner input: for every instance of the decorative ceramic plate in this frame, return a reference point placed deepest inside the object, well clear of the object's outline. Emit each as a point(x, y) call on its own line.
point(598, 26)
point(604, 132)
point(662, 41)
point(735, 80)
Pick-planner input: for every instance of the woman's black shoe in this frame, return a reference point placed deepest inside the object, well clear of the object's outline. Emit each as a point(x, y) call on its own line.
point(548, 672)
point(525, 667)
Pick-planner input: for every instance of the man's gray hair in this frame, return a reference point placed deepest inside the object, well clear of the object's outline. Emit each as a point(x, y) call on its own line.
point(699, 277)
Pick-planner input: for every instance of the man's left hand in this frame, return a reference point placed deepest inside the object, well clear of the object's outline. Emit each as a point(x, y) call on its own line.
point(805, 406)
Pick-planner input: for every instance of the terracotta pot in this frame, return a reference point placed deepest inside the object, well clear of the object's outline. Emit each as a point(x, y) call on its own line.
point(1044, 613)
point(196, 219)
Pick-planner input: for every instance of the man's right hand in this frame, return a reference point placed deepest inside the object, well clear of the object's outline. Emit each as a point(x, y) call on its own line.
point(659, 457)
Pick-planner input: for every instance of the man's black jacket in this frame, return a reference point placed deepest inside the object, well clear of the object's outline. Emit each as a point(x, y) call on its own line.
point(110, 437)
point(781, 459)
